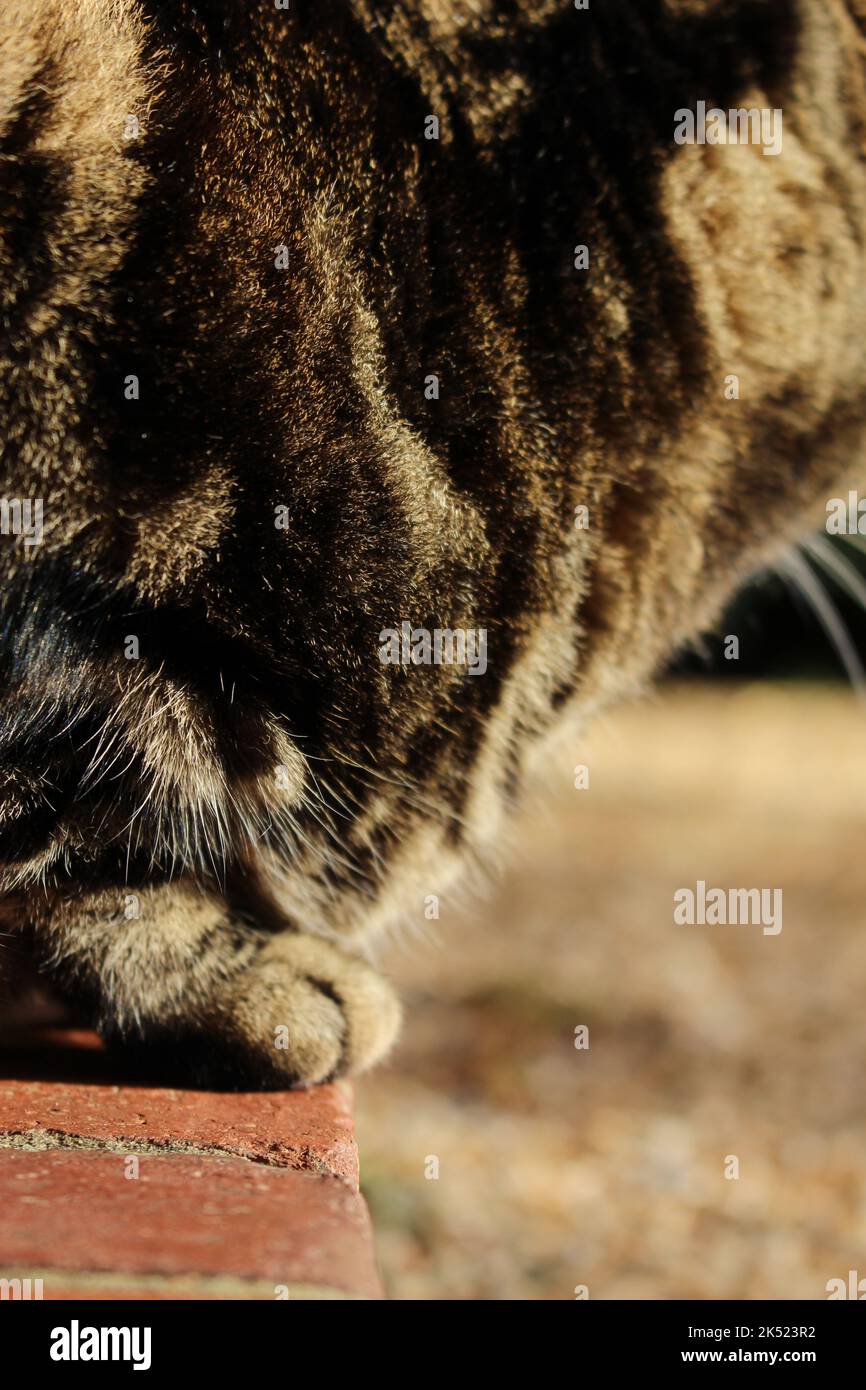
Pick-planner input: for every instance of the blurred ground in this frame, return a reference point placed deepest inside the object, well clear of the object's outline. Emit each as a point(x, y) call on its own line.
point(606, 1167)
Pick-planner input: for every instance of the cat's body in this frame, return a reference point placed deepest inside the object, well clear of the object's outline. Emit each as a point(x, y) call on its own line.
point(231, 263)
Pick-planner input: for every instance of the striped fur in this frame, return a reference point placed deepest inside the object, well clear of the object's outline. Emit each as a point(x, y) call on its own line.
point(238, 206)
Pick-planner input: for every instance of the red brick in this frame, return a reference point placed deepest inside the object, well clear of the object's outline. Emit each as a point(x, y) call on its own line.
point(64, 1085)
point(184, 1215)
point(235, 1194)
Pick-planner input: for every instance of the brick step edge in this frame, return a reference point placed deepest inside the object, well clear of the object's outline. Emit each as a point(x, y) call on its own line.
point(119, 1191)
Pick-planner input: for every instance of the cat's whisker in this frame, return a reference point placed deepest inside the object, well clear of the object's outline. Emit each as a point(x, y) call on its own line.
point(846, 575)
point(856, 542)
point(794, 568)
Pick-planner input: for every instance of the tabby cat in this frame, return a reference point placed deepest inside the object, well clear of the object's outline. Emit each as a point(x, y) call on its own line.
point(381, 383)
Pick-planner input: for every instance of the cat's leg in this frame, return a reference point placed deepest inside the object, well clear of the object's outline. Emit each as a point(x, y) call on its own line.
point(172, 975)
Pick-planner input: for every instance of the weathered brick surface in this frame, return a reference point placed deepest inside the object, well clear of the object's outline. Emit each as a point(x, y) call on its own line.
point(62, 1086)
point(182, 1214)
point(227, 1196)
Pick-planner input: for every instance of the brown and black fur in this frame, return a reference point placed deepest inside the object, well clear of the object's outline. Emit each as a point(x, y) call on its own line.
point(199, 845)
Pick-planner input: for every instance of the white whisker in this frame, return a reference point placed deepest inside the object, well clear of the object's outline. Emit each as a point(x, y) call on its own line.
point(793, 567)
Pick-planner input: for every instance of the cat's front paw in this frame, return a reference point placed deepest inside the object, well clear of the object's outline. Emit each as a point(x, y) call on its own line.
point(193, 995)
point(305, 1011)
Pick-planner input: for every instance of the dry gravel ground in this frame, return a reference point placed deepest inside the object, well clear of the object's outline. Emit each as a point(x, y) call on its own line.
point(606, 1167)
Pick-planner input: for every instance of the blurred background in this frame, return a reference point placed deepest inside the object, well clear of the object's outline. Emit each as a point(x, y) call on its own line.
point(502, 1162)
